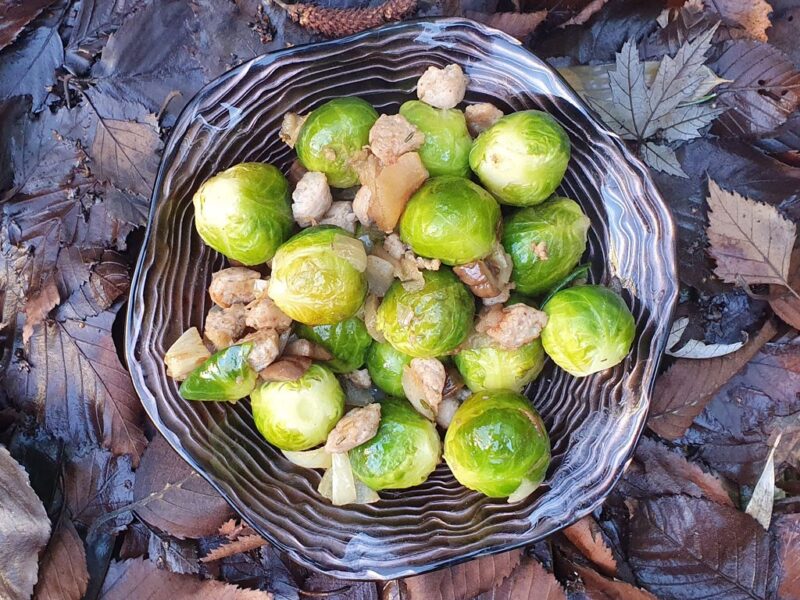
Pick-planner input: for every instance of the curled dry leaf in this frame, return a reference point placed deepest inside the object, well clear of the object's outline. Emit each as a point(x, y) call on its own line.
point(585, 13)
point(515, 24)
point(24, 529)
point(586, 535)
point(241, 544)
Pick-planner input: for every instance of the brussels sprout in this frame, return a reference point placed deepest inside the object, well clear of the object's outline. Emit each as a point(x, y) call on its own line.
point(244, 212)
point(224, 376)
point(347, 340)
point(385, 366)
point(589, 329)
point(429, 322)
point(452, 219)
point(402, 454)
point(522, 158)
point(558, 227)
point(315, 279)
point(447, 140)
point(497, 443)
point(485, 365)
point(332, 134)
point(299, 414)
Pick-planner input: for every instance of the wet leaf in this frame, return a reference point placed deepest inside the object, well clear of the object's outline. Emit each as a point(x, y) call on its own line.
point(176, 556)
point(597, 586)
point(62, 573)
point(16, 14)
point(786, 533)
point(786, 304)
point(662, 158)
point(528, 580)
point(176, 499)
point(139, 578)
point(760, 505)
point(317, 584)
point(136, 541)
point(28, 66)
point(24, 529)
point(657, 470)
point(463, 581)
point(518, 25)
point(240, 544)
point(684, 547)
point(683, 391)
point(586, 536)
point(751, 242)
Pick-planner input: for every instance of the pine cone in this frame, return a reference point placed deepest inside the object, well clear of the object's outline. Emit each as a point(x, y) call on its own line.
point(338, 22)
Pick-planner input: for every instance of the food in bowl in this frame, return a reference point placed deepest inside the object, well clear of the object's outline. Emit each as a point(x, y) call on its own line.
point(382, 329)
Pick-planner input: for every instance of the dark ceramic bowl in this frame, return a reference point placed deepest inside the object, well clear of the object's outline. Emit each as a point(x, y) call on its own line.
point(594, 422)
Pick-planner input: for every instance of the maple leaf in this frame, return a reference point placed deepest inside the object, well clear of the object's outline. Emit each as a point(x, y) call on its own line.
point(751, 242)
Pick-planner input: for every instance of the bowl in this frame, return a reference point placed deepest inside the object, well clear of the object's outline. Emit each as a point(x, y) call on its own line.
point(594, 422)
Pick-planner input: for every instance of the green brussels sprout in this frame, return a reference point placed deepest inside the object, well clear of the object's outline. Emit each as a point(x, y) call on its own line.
point(589, 329)
point(497, 444)
point(561, 226)
point(318, 276)
point(224, 376)
point(347, 340)
point(299, 414)
point(485, 365)
point(429, 322)
point(244, 212)
point(402, 454)
point(447, 140)
point(452, 219)
point(522, 158)
point(385, 366)
point(332, 134)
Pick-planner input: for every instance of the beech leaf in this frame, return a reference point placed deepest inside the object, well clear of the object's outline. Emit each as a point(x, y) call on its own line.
point(24, 529)
point(760, 505)
point(96, 483)
point(15, 15)
point(29, 66)
point(784, 302)
point(716, 551)
point(750, 241)
point(786, 532)
point(682, 392)
point(529, 579)
point(140, 578)
point(63, 574)
point(598, 586)
point(586, 535)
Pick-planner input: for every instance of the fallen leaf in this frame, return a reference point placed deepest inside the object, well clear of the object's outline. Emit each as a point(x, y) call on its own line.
point(678, 542)
point(172, 497)
point(29, 65)
point(463, 581)
point(786, 533)
point(320, 584)
point(785, 303)
point(662, 158)
point(695, 348)
point(586, 535)
point(600, 587)
point(586, 13)
point(528, 580)
point(24, 529)
point(738, 427)
point(62, 573)
point(97, 483)
point(38, 307)
point(763, 88)
point(16, 14)
point(241, 544)
point(176, 556)
point(515, 24)
point(657, 471)
point(783, 33)
point(683, 391)
point(135, 542)
point(750, 15)
point(760, 505)
point(140, 578)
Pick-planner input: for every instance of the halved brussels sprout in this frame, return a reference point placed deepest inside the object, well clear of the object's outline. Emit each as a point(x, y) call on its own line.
point(299, 414)
point(402, 454)
point(316, 277)
point(589, 329)
point(522, 158)
point(224, 376)
point(452, 219)
point(332, 134)
point(244, 212)
point(347, 340)
point(545, 243)
point(485, 365)
point(429, 322)
point(497, 443)
point(447, 140)
point(385, 366)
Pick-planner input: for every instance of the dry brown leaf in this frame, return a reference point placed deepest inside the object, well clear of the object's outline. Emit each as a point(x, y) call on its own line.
point(464, 581)
point(189, 510)
point(63, 574)
point(587, 537)
point(24, 530)
point(761, 500)
point(751, 15)
point(585, 14)
point(786, 534)
point(684, 390)
point(597, 586)
point(750, 241)
point(242, 544)
point(518, 25)
point(528, 581)
point(38, 307)
point(141, 579)
point(785, 303)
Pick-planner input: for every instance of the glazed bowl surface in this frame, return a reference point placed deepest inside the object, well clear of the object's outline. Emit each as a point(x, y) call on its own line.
point(594, 422)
